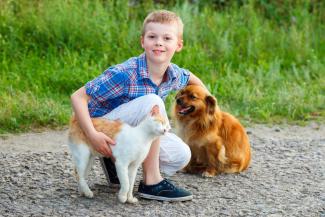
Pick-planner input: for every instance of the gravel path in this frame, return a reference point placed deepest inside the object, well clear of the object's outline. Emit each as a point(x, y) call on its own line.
point(286, 178)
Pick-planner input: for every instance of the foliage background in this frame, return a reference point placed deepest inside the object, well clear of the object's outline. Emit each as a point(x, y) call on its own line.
point(262, 59)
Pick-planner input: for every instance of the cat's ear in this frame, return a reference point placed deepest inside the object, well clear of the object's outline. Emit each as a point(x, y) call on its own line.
point(155, 110)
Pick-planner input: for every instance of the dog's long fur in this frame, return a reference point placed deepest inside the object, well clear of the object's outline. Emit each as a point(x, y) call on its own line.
point(217, 140)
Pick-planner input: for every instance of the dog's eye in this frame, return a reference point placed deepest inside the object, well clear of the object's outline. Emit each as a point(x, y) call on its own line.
point(192, 97)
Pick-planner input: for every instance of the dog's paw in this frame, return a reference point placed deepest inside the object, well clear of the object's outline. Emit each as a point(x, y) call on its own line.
point(206, 174)
point(132, 200)
point(189, 169)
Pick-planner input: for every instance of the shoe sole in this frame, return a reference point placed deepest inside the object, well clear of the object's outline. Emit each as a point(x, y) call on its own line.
point(152, 197)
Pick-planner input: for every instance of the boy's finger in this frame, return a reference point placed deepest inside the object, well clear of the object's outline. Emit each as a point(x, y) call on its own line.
point(108, 151)
point(103, 150)
point(109, 140)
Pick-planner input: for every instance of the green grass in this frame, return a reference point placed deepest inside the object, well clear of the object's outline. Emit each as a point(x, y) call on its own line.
point(260, 68)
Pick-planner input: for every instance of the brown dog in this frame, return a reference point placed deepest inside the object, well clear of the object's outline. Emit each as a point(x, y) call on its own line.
point(217, 140)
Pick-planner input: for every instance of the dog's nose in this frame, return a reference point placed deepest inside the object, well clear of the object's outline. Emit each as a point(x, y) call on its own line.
point(179, 101)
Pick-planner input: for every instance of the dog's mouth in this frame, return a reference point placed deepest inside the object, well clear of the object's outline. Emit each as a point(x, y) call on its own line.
point(186, 110)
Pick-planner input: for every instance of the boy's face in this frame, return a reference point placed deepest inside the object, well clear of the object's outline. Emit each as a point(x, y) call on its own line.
point(160, 42)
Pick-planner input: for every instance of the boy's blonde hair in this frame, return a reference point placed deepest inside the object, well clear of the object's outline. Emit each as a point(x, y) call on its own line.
point(164, 17)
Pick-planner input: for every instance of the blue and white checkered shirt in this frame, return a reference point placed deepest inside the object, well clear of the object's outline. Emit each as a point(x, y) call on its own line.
point(126, 81)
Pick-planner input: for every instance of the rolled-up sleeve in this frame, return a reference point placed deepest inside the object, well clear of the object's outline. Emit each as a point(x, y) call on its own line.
point(182, 78)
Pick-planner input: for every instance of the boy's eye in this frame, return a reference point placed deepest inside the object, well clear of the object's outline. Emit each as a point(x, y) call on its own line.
point(151, 36)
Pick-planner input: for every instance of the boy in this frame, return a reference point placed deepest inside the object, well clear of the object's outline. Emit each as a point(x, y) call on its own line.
point(127, 92)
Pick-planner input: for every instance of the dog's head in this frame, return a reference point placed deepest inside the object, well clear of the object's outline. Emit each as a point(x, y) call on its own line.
point(194, 101)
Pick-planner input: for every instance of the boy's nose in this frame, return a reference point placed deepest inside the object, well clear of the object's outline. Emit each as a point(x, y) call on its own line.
point(159, 42)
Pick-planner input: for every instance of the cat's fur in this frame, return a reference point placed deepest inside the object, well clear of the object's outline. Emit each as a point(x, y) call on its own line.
point(131, 148)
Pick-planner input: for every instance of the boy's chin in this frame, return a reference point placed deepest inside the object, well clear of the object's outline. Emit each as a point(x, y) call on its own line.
point(159, 59)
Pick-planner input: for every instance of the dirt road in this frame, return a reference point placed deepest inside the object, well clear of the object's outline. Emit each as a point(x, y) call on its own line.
point(286, 178)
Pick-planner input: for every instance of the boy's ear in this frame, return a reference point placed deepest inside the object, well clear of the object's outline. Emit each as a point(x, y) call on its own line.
point(141, 41)
point(179, 45)
point(155, 110)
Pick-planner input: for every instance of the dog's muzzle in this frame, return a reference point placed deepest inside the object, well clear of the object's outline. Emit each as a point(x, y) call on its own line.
point(186, 110)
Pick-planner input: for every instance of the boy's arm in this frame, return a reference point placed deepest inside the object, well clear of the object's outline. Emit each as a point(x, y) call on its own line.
point(99, 141)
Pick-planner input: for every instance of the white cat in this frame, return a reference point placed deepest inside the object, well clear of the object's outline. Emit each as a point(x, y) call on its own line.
point(131, 148)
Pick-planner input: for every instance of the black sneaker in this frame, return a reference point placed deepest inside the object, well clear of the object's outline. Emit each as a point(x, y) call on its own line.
point(163, 191)
point(110, 171)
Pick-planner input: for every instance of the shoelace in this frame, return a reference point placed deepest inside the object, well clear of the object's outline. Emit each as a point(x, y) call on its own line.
point(169, 184)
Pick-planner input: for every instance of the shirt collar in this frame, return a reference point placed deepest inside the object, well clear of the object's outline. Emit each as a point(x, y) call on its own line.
point(142, 66)
point(171, 73)
point(144, 73)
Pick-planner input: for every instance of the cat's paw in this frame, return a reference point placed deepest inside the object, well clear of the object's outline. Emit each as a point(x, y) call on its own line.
point(84, 190)
point(122, 198)
point(132, 200)
point(88, 194)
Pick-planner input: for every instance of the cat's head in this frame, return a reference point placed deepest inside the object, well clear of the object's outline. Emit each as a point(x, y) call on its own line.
point(157, 123)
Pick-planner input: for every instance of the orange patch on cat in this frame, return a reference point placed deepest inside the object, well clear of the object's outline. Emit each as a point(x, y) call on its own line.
point(109, 128)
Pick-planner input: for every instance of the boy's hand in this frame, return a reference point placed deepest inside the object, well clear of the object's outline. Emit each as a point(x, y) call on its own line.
point(101, 143)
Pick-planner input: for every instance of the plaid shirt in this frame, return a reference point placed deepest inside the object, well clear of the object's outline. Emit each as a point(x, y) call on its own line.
point(126, 81)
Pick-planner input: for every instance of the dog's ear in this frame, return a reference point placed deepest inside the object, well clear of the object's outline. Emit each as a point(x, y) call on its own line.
point(211, 103)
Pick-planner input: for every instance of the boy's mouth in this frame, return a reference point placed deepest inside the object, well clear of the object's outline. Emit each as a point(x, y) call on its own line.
point(157, 52)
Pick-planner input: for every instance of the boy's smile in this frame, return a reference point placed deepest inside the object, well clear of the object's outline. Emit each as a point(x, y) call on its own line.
point(160, 42)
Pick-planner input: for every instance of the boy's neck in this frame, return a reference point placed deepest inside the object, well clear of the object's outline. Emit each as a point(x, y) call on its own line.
point(157, 72)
